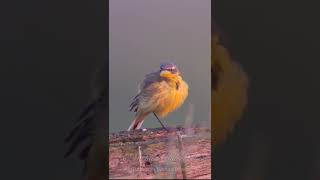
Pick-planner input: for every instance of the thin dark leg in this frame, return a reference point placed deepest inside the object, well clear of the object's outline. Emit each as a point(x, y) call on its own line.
point(161, 122)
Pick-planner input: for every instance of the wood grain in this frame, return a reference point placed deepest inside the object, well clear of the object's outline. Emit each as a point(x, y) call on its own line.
point(182, 153)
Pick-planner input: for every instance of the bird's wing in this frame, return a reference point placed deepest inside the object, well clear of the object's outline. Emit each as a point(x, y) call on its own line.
point(86, 127)
point(90, 129)
point(148, 80)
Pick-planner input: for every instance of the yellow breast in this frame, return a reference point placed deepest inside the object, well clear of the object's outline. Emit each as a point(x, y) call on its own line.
point(229, 95)
point(172, 100)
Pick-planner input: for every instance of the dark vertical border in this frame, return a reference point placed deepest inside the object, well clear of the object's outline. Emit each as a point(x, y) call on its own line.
point(107, 57)
point(213, 172)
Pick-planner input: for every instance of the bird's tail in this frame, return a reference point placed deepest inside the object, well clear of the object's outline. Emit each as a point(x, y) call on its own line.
point(137, 122)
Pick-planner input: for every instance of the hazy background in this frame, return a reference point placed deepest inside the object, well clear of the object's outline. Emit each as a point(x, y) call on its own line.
point(277, 44)
point(144, 33)
point(49, 50)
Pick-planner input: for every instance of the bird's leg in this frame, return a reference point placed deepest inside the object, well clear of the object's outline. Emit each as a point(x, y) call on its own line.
point(161, 122)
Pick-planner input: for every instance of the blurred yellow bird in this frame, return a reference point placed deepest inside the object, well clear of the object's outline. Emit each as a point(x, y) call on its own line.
point(160, 93)
point(229, 94)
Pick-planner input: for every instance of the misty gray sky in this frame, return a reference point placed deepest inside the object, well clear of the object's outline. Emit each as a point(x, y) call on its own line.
point(144, 33)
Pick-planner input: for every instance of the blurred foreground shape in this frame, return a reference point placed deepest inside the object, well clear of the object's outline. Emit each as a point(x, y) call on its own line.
point(156, 153)
point(229, 84)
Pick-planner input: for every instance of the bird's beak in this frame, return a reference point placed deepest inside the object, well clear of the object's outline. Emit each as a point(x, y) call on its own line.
point(164, 73)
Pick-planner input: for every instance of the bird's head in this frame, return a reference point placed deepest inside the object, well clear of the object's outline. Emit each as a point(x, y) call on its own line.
point(169, 70)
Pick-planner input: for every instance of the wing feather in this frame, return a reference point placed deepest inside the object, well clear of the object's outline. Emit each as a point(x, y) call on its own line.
point(149, 79)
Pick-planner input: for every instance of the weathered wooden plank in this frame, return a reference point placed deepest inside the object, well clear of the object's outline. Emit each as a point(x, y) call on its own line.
point(156, 153)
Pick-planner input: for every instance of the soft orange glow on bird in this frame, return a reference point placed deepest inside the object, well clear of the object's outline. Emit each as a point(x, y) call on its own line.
point(160, 93)
point(229, 90)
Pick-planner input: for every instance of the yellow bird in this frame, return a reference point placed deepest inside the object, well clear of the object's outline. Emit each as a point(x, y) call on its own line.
point(160, 93)
point(229, 90)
